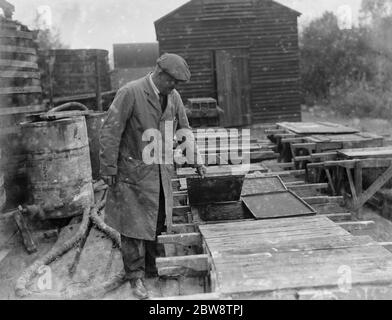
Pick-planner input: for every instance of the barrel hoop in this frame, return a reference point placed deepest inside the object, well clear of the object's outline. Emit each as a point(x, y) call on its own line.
point(18, 110)
point(27, 89)
point(16, 34)
point(61, 153)
point(18, 64)
point(19, 74)
point(17, 49)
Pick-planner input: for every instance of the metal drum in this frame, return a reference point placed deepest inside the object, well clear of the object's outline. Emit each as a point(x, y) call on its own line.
point(94, 123)
point(58, 166)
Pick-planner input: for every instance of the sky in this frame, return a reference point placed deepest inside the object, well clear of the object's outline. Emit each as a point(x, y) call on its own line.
point(100, 23)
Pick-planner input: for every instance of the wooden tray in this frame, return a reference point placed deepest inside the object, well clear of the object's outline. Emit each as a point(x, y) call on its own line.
point(277, 205)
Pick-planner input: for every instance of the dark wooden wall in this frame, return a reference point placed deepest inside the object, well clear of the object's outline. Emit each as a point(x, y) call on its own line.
point(265, 28)
point(135, 55)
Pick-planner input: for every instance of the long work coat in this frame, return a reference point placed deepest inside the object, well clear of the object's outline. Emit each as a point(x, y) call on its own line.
point(133, 202)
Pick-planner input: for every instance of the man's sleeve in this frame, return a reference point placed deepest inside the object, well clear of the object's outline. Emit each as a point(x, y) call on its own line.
point(183, 123)
point(113, 127)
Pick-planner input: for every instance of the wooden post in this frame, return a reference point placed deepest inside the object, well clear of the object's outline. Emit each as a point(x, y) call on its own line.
point(330, 181)
point(381, 180)
point(98, 83)
point(25, 232)
point(358, 185)
point(50, 61)
point(352, 187)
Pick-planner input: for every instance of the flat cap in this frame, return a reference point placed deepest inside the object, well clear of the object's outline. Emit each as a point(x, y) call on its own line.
point(175, 66)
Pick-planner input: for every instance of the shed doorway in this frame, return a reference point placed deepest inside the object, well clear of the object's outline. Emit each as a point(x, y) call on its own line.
point(233, 86)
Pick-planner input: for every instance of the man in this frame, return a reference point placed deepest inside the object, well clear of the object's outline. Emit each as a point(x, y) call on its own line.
point(140, 194)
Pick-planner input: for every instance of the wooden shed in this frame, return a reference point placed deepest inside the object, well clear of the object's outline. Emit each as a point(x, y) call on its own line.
point(132, 61)
point(244, 53)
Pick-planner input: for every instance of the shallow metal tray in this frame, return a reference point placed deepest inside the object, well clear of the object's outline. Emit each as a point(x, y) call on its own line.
point(214, 189)
point(277, 205)
point(261, 185)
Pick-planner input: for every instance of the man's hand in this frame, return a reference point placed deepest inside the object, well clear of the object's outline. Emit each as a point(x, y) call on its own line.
point(109, 180)
point(202, 171)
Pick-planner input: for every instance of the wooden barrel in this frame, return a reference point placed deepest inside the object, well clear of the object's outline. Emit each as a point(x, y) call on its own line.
point(20, 95)
point(58, 166)
point(74, 71)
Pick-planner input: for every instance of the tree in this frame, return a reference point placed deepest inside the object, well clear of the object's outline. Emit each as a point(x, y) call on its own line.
point(376, 9)
point(330, 56)
point(47, 37)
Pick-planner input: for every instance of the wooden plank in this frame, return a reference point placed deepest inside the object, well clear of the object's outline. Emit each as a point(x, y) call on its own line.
point(315, 127)
point(183, 228)
point(330, 181)
point(312, 186)
point(180, 196)
point(367, 152)
point(375, 291)
point(286, 173)
point(25, 89)
point(17, 49)
point(339, 217)
point(357, 225)
point(185, 239)
point(358, 178)
point(376, 185)
point(181, 210)
point(25, 232)
point(236, 249)
point(275, 131)
point(323, 199)
point(350, 164)
point(302, 158)
point(20, 74)
point(195, 265)
point(193, 297)
point(324, 156)
point(16, 34)
point(220, 170)
point(352, 186)
point(318, 268)
point(286, 165)
point(305, 145)
point(292, 140)
point(271, 228)
point(18, 64)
